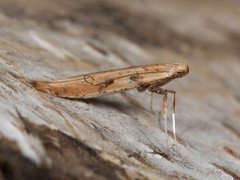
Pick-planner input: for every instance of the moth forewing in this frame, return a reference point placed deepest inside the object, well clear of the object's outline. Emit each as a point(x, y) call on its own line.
point(118, 73)
point(89, 87)
point(108, 82)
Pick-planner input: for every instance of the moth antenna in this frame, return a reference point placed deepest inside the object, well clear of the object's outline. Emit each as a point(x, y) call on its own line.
point(173, 117)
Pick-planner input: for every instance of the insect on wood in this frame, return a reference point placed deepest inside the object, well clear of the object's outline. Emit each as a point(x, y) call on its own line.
point(145, 77)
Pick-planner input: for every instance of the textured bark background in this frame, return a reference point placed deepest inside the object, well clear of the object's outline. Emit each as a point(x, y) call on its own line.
point(117, 137)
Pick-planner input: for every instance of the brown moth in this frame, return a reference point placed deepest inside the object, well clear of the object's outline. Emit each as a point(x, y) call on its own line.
point(92, 85)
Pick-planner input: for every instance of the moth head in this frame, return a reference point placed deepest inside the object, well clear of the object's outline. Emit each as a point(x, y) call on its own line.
point(180, 70)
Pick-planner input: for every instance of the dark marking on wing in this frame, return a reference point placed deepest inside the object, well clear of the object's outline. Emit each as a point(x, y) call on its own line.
point(143, 87)
point(135, 77)
point(88, 76)
point(105, 84)
point(108, 82)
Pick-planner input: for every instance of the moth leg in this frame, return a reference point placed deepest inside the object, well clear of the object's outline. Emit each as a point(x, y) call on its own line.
point(164, 92)
point(151, 105)
point(173, 112)
point(173, 117)
point(164, 112)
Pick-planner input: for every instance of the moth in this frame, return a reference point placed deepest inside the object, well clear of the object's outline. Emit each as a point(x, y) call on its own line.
point(144, 77)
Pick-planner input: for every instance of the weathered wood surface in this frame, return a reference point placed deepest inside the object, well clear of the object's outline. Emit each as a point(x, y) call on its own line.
point(117, 137)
